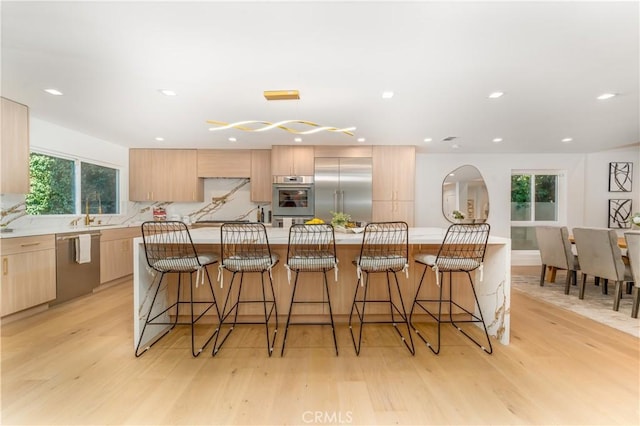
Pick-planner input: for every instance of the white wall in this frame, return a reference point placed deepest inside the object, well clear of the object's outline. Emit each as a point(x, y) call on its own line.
point(431, 170)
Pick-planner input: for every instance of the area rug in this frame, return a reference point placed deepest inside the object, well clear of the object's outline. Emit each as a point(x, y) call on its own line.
point(595, 305)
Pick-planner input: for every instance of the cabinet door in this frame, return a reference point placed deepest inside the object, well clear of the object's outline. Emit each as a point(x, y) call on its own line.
point(289, 160)
point(28, 280)
point(140, 174)
point(261, 176)
point(116, 259)
point(281, 160)
point(14, 148)
point(303, 160)
point(387, 211)
point(224, 163)
point(393, 173)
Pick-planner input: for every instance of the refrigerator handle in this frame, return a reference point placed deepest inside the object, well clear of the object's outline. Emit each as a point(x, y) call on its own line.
point(342, 201)
point(335, 201)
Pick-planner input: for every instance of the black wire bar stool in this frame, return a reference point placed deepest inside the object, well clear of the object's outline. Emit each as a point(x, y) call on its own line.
point(311, 248)
point(245, 249)
point(384, 250)
point(169, 250)
point(462, 250)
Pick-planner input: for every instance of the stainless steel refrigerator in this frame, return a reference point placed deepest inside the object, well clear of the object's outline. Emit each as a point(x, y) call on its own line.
point(343, 185)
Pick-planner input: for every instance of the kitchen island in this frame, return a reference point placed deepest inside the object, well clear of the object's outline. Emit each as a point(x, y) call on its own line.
point(493, 289)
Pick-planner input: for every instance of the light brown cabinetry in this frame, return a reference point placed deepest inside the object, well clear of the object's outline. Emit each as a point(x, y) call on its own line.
point(164, 175)
point(291, 160)
point(28, 272)
point(338, 151)
point(116, 253)
point(14, 148)
point(261, 176)
point(393, 182)
point(224, 163)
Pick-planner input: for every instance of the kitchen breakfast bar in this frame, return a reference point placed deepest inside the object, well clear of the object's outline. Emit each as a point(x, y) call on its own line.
point(492, 282)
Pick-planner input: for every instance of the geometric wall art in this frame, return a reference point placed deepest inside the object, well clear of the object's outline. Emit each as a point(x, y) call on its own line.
point(620, 176)
point(619, 213)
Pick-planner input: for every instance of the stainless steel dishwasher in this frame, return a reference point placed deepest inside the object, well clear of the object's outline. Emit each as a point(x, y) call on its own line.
point(75, 279)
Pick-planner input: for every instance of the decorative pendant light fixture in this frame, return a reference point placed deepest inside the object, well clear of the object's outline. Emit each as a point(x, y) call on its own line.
point(242, 125)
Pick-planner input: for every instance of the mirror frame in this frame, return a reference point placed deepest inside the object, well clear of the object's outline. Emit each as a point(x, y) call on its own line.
point(484, 213)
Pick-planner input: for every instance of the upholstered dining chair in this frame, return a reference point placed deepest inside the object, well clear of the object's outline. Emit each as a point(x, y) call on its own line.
point(633, 251)
point(600, 256)
point(555, 252)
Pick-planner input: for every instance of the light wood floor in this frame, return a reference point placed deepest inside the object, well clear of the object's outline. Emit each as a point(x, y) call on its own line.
point(74, 364)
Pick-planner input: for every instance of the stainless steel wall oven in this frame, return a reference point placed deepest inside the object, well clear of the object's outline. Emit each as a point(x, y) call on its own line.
point(293, 196)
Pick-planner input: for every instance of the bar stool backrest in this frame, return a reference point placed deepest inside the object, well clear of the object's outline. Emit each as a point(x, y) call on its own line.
point(169, 248)
point(463, 247)
point(312, 247)
point(385, 247)
point(245, 247)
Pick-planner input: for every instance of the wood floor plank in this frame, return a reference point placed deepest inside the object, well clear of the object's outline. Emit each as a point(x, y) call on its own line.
point(74, 364)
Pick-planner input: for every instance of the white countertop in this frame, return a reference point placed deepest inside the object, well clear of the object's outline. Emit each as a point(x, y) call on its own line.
point(281, 236)
point(31, 231)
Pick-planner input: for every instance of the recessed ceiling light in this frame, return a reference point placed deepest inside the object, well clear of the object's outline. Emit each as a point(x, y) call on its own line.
point(605, 96)
point(452, 174)
point(159, 139)
point(455, 146)
point(53, 92)
point(297, 140)
point(168, 92)
point(496, 140)
point(495, 95)
point(566, 140)
point(387, 94)
point(232, 139)
point(428, 139)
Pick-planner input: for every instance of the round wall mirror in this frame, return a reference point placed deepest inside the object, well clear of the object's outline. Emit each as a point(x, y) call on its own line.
point(465, 198)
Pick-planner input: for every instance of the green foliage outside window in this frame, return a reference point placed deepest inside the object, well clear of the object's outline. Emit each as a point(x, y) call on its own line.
point(52, 185)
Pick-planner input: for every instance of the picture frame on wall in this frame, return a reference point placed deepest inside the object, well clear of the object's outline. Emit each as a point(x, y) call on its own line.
point(620, 176)
point(620, 213)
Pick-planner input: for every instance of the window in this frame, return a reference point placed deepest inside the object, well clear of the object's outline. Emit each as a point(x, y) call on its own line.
point(534, 201)
point(67, 186)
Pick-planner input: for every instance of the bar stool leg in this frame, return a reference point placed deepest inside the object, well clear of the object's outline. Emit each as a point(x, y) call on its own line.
point(333, 327)
point(403, 314)
point(267, 316)
point(360, 315)
point(286, 327)
point(226, 313)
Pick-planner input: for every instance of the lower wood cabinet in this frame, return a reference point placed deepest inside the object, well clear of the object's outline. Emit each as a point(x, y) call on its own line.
point(116, 253)
point(28, 272)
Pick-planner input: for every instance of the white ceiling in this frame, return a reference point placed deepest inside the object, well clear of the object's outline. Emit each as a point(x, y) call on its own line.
point(442, 59)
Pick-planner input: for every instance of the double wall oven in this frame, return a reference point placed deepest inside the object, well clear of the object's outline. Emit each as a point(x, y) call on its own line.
point(293, 197)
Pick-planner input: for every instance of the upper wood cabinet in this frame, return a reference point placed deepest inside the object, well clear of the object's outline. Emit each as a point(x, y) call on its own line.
point(339, 151)
point(394, 170)
point(28, 272)
point(14, 148)
point(224, 163)
point(261, 176)
point(164, 175)
point(291, 160)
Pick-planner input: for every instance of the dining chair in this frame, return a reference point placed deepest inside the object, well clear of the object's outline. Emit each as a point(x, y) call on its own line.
point(245, 250)
point(633, 252)
point(555, 252)
point(461, 251)
point(600, 256)
point(384, 250)
point(311, 249)
point(169, 250)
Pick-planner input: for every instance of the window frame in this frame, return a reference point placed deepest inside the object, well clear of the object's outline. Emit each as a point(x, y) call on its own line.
point(78, 204)
point(561, 201)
